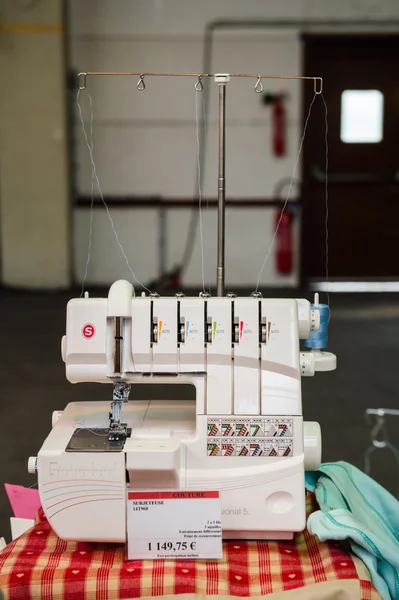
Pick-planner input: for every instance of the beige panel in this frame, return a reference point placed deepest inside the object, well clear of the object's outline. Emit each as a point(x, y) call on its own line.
point(35, 204)
point(171, 17)
point(137, 231)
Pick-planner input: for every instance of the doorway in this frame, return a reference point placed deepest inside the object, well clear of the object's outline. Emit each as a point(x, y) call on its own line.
point(361, 90)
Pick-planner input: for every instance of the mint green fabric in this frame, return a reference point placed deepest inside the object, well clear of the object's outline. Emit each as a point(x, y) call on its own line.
point(356, 508)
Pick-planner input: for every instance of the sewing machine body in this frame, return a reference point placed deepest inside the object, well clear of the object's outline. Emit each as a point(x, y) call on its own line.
point(243, 435)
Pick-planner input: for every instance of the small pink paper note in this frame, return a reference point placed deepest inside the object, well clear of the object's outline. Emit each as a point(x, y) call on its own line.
point(25, 502)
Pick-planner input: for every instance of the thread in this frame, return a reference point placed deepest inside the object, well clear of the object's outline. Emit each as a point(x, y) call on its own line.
point(199, 191)
point(83, 426)
point(90, 147)
point(326, 205)
point(319, 339)
point(288, 194)
point(367, 459)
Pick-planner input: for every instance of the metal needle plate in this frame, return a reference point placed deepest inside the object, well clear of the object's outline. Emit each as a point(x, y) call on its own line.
point(94, 440)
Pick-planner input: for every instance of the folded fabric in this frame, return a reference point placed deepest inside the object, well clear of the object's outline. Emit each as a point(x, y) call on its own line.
point(356, 508)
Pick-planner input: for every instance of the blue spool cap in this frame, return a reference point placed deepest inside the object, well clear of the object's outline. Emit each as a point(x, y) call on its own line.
point(319, 339)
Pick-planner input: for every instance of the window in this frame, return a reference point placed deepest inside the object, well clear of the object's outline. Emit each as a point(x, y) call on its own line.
point(361, 116)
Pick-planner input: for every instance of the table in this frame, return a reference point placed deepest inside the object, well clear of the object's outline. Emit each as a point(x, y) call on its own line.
point(40, 565)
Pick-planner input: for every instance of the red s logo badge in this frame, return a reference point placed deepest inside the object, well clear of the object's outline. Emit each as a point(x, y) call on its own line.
point(88, 331)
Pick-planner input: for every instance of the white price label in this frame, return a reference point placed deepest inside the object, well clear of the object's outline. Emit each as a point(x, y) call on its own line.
point(174, 524)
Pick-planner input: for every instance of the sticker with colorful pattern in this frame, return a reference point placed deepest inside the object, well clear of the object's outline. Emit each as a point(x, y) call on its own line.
point(214, 448)
point(285, 447)
point(243, 428)
point(228, 447)
point(214, 428)
point(285, 428)
point(270, 448)
point(228, 428)
point(256, 447)
point(257, 428)
point(257, 436)
point(271, 427)
point(242, 448)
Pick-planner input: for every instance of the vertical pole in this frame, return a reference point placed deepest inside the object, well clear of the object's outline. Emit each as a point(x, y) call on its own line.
point(162, 243)
point(220, 274)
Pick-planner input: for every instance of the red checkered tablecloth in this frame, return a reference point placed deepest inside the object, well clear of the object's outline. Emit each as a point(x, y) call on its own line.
point(40, 565)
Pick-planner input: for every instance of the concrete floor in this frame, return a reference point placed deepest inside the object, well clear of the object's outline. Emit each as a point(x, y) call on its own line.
point(364, 333)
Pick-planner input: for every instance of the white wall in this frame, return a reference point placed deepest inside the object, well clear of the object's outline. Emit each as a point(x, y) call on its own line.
point(145, 143)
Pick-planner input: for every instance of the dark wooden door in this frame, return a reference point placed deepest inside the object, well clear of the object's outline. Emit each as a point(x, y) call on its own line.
point(363, 170)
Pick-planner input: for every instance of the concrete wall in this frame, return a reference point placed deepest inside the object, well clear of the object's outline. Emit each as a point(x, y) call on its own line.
point(34, 200)
point(145, 143)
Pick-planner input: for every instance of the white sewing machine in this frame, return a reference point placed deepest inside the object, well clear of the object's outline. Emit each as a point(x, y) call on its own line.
point(243, 435)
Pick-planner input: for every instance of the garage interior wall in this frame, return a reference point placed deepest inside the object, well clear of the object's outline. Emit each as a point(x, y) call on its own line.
point(145, 143)
point(34, 198)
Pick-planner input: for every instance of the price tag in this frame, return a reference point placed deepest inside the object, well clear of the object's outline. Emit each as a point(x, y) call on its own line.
point(174, 524)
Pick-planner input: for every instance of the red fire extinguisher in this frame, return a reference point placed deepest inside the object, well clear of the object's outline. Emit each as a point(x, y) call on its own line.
point(284, 242)
point(279, 125)
point(276, 101)
point(284, 238)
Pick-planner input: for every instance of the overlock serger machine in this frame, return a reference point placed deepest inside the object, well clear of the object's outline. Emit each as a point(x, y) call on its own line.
point(244, 434)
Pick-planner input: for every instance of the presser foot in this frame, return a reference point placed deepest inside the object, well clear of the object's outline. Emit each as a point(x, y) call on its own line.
point(118, 432)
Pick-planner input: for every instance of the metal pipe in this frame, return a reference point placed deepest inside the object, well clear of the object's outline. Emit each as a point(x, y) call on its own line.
point(305, 25)
point(162, 242)
point(221, 190)
point(381, 412)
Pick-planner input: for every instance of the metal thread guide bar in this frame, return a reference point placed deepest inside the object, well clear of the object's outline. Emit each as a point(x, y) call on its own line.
point(82, 78)
point(221, 79)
